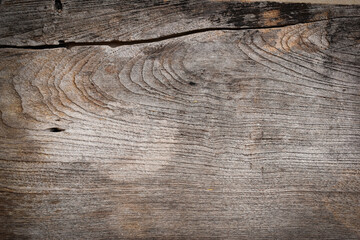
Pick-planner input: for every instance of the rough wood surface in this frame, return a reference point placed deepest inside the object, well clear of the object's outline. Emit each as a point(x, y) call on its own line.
point(343, 2)
point(37, 22)
point(226, 134)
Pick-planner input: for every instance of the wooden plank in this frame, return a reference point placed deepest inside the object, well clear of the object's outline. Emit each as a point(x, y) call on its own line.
point(340, 2)
point(36, 22)
point(250, 134)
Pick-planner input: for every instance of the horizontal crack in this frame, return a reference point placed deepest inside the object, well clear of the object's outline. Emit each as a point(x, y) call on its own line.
point(117, 43)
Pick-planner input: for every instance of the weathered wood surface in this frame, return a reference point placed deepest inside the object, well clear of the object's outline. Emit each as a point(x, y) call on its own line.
point(38, 22)
point(343, 2)
point(248, 134)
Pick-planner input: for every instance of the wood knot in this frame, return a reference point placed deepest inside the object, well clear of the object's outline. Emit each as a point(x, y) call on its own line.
point(56, 129)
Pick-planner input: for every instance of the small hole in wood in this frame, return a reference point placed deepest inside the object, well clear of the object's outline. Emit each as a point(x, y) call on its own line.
point(61, 42)
point(58, 5)
point(55, 129)
point(192, 83)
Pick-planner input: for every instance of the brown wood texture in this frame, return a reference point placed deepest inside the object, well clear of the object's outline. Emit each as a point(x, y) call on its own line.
point(37, 22)
point(220, 134)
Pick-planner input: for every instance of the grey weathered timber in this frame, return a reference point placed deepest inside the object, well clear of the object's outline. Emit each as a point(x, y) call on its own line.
point(220, 134)
point(39, 22)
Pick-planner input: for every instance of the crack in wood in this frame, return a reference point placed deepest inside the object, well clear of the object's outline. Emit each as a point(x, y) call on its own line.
point(117, 43)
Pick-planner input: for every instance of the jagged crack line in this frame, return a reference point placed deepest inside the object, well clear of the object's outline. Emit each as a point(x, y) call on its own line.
point(117, 43)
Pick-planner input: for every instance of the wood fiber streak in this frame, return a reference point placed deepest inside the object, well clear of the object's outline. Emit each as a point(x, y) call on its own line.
point(249, 134)
point(38, 22)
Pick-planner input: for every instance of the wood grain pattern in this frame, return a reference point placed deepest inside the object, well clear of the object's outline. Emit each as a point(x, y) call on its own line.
point(250, 134)
point(343, 2)
point(36, 22)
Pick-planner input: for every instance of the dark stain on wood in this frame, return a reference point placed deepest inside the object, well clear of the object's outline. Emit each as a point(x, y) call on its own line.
point(58, 5)
point(243, 14)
